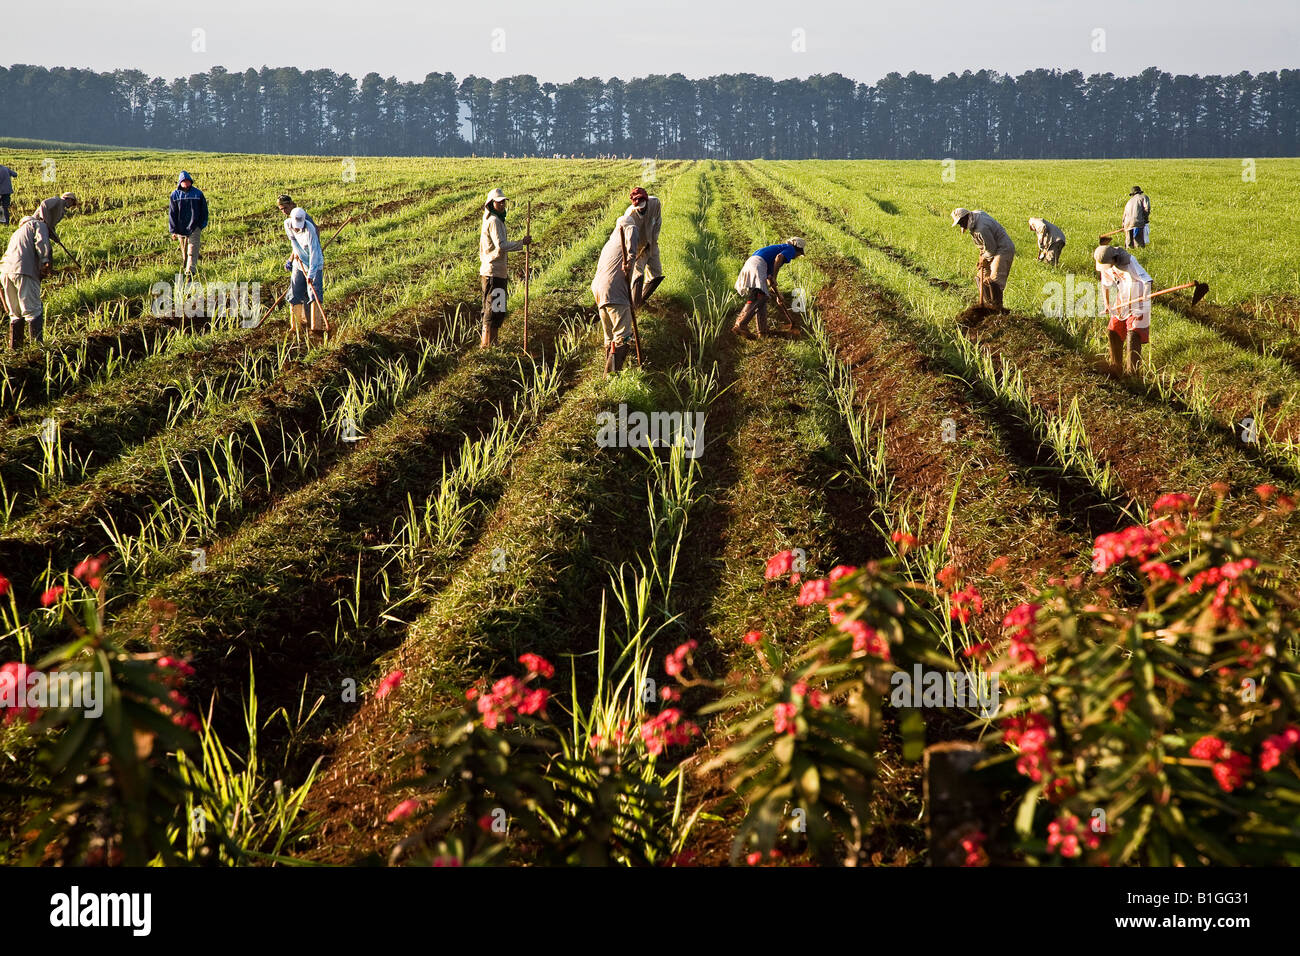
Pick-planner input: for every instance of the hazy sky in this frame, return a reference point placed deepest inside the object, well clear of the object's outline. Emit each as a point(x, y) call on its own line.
point(560, 39)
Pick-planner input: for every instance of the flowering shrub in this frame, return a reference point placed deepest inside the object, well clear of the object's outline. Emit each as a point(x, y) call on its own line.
point(595, 795)
point(107, 782)
point(1164, 733)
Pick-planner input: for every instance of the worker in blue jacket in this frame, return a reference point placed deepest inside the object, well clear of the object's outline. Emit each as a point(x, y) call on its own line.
point(758, 278)
point(187, 217)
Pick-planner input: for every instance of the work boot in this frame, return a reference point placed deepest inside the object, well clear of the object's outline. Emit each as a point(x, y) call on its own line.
point(36, 329)
point(485, 341)
point(15, 333)
point(998, 307)
point(637, 285)
point(1134, 354)
point(615, 356)
point(1116, 343)
point(649, 289)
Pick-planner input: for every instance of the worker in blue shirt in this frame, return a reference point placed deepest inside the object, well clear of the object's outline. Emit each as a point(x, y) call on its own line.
point(758, 277)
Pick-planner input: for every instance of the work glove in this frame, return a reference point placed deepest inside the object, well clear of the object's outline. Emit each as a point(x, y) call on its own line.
point(288, 265)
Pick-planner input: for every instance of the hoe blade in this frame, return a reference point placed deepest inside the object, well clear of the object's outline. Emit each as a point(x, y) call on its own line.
point(1199, 293)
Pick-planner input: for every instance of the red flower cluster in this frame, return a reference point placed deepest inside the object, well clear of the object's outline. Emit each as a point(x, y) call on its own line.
point(173, 673)
point(51, 597)
point(903, 540)
point(677, 661)
point(4, 585)
point(1030, 735)
point(1172, 504)
point(753, 637)
point(1157, 570)
point(779, 565)
point(1229, 767)
point(403, 810)
point(508, 698)
point(815, 698)
point(965, 603)
point(783, 718)
point(866, 639)
point(841, 571)
point(974, 847)
point(389, 684)
point(1224, 579)
point(12, 676)
point(1277, 745)
point(89, 570)
point(598, 741)
point(667, 729)
point(537, 665)
point(815, 591)
point(1064, 834)
point(1138, 543)
point(1021, 622)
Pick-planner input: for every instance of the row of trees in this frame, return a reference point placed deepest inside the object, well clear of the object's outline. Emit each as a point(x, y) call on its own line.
point(1039, 114)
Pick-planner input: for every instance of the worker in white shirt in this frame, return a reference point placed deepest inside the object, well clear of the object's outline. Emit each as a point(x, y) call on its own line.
point(1129, 309)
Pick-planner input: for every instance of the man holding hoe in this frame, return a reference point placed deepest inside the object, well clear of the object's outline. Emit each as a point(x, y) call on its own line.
point(758, 277)
point(612, 288)
point(996, 250)
point(307, 262)
point(27, 260)
point(1130, 313)
point(647, 213)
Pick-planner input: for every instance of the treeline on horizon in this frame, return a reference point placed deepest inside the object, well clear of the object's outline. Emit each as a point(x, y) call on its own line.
point(1040, 114)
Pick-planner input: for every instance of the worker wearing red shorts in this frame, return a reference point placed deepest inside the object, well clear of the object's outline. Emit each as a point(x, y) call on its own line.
point(1130, 309)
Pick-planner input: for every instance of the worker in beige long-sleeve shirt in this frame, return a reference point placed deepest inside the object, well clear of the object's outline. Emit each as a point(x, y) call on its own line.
point(996, 254)
point(1051, 240)
point(647, 212)
point(612, 288)
point(27, 260)
point(492, 248)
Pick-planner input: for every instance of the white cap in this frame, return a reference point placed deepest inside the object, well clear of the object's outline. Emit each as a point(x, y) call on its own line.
point(798, 243)
point(958, 213)
point(496, 195)
point(298, 218)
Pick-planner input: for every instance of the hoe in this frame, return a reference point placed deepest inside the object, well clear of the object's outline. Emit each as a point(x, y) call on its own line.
point(1201, 289)
point(281, 296)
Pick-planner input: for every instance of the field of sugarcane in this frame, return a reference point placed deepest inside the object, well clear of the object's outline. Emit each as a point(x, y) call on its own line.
point(380, 595)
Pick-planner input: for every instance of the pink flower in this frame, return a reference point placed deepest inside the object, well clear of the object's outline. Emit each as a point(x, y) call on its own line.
point(676, 662)
point(389, 684)
point(1231, 771)
point(1275, 746)
point(753, 637)
point(866, 640)
point(841, 571)
point(783, 719)
point(1208, 748)
point(779, 564)
point(903, 540)
point(1265, 491)
point(14, 676)
point(403, 810)
point(89, 567)
point(4, 585)
point(534, 702)
point(52, 595)
point(965, 603)
point(1172, 503)
point(1138, 543)
point(537, 665)
point(754, 858)
point(975, 852)
point(1030, 734)
point(667, 729)
point(814, 592)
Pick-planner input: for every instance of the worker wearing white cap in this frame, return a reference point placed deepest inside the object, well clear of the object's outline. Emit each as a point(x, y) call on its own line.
point(1130, 313)
point(307, 262)
point(758, 277)
point(996, 254)
point(1051, 240)
point(492, 248)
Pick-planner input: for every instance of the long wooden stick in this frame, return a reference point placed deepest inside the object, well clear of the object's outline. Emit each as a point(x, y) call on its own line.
point(528, 234)
point(631, 309)
point(311, 292)
point(280, 298)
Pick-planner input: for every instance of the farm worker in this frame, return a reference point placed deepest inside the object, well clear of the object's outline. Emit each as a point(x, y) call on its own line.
point(492, 248)
point(647, 213)
point(758, 277)
point(187, 217)
point(307, 262)
point(1051, 240)
point(27, 260)
point(1130, 313)
point(996, 254)
point(612, 288)
point(6, 190)
point(287, 206)
point(1137, 215)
